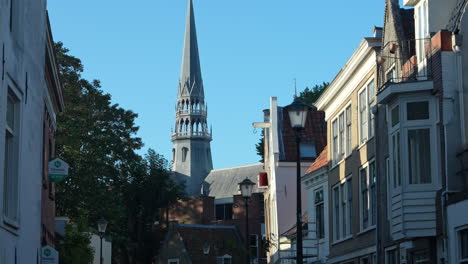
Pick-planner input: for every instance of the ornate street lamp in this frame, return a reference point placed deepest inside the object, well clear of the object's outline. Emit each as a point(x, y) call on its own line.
point(298, 115)
point(246, 188)
point(102, 224)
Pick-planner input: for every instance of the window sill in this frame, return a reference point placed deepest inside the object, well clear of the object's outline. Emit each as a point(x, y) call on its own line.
point(342, 240)
point(366, 230)
point(10, 226)
point(365, 143)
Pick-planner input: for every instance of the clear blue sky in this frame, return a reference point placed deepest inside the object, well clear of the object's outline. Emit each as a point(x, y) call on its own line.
point(250, 50)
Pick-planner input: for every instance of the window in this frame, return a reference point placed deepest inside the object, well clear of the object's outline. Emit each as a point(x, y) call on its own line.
point(412, 138)
point(395, 115)
point(336, 215)
point(335, 140)
point(417, 110)
point(422, 29)
point(396, 159)
point(341, 134)
point(349, 204)
point(364, 260)
point(226, 259)
point(463, 246)
point(342, 206)
point(319, 214)
point(308, 150)
point(10, 192)
point(368, 195)
point(363, 127)
point(391, 257)
point(173, 261)
point(224, 211)
point(364, 199)
point(348, 130)
point(253, 247)
point(373, 193)
point(370, 104)
point(391, 75)
point(419, 156)
point(366, 117)
point(184, 153)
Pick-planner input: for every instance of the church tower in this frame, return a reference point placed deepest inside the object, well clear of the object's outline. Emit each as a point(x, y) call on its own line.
point(191, 152)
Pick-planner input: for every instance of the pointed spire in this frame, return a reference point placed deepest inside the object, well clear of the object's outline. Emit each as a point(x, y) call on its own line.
point(190, 78)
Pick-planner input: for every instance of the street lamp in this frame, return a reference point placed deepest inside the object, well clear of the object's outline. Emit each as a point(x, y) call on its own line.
point(102, 224)
point(298, 115)
point(246, 188)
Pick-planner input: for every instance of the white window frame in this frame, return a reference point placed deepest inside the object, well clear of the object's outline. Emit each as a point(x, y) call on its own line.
point(222, 258)
point(370, 199)
point(458, 242)
point(404, 127)
point(316, 204)
point(173, 261)
point(256, 246)
point(343, 206)
point(394, 249)
point(370, 131)
point(394, 75)
point(15, 95)
point(339, 133)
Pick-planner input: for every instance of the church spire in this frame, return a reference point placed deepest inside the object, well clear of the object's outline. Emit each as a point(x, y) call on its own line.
point(191, 83)
point(191, 137)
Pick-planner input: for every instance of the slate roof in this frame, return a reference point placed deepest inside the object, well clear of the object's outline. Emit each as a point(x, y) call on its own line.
point(191, 82)
point(224, 183)
point(320, 162)
point(222, 240)
point(315, 132)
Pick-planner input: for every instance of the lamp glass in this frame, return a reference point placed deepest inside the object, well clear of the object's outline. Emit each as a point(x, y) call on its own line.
point(102, 224)
point(246, 188)
point(297, 113)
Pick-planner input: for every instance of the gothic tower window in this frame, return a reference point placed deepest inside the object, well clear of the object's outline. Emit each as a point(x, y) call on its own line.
point(184, 153)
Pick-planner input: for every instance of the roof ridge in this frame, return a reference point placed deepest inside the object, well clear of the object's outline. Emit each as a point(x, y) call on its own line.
point(235, 167)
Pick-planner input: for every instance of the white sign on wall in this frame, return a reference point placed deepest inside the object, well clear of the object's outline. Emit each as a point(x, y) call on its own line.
point(49, 255)
point(58, 170)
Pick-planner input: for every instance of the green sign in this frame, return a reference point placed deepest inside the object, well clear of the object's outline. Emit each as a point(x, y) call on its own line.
point(58, 170)
point(49, 255)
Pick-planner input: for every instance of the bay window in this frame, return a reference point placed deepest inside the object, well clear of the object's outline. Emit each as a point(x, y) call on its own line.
point(412, 138)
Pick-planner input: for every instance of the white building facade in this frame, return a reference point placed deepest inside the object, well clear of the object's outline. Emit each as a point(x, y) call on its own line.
point(280, 166)
point(24, 100)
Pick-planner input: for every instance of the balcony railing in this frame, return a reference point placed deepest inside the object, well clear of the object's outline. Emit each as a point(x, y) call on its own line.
point(191, 134)
point(191, 112)
point(287, 250)
point(406, 61)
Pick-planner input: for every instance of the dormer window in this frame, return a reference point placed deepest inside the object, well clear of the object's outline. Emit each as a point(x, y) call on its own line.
point(308, 150)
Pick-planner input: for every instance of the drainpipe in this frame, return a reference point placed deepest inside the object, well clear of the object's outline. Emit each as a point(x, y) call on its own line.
point(377, 209)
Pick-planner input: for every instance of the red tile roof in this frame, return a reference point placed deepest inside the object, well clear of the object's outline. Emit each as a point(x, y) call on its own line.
point(321, 161)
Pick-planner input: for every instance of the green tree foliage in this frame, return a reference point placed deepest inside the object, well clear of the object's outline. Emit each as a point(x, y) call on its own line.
point(107, 177)
point(76, 248)
point(260, 148)
point(310, 96)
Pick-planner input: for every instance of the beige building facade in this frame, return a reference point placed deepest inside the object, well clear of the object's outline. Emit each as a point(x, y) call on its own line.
point(348, 103)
